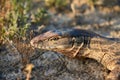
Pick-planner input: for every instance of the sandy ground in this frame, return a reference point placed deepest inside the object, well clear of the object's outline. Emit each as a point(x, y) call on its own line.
point(54, 66)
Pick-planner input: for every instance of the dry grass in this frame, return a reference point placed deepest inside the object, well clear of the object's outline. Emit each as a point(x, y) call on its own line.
point(5, 7)
point(28, 71)
point(24, 48)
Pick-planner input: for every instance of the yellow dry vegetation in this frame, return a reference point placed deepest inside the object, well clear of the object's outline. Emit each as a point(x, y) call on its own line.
point(5, 7)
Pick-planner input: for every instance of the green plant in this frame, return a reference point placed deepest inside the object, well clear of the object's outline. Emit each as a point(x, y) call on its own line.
point(56, 3)
point(17, 20)
point(40, 16)
point(94, 2)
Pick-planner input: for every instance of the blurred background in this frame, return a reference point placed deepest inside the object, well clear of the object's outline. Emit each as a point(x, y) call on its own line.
point(21, 20)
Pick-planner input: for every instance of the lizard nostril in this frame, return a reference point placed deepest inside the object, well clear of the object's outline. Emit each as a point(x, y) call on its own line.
point(32, 42)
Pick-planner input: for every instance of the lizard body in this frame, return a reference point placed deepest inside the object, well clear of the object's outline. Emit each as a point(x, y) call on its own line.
point(82, 43)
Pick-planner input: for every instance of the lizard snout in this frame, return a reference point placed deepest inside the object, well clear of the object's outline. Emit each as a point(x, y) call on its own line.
point(31, 43)
point(34, 42)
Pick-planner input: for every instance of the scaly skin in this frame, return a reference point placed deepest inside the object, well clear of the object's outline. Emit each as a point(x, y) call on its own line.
point(81, 43)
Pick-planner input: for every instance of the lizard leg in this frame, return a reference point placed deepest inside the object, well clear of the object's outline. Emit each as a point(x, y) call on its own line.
point(114, 74)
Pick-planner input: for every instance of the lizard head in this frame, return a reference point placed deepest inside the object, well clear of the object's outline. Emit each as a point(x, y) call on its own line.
point(52, 40)
point(67, 42)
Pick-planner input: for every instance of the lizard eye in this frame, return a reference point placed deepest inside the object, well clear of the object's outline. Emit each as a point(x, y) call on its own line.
point(54, 38)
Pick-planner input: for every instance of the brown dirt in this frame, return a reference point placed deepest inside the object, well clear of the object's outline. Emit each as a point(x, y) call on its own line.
point(54, 66)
